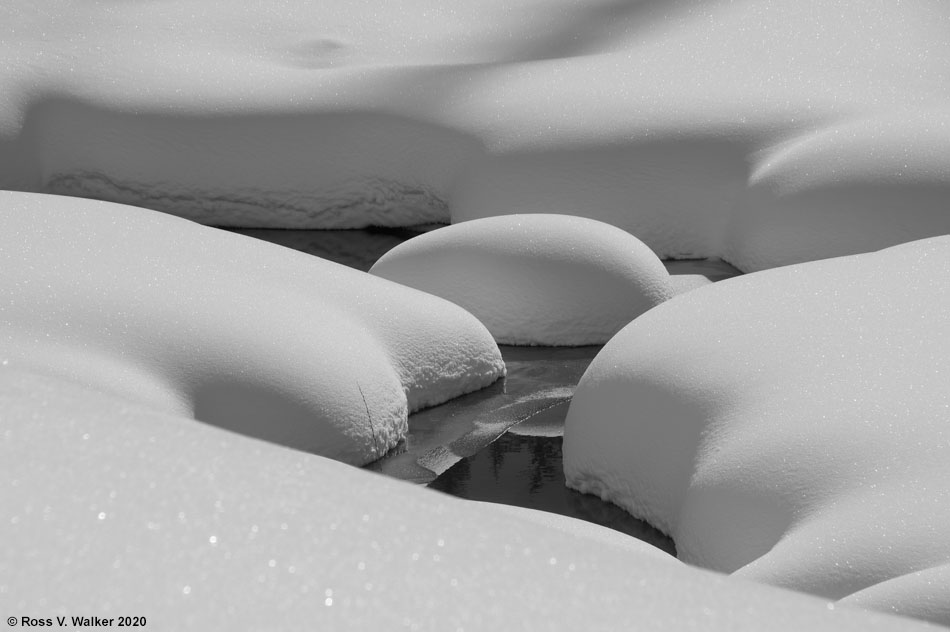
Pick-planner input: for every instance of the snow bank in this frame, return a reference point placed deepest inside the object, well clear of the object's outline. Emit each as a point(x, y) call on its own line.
point(581, 529)
point(763, 132)
point(535, 279)
point(788, 426)
point(240, 333)
point(111, 509)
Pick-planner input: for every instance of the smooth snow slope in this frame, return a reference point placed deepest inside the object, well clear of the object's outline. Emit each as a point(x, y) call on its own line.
point(535, 279)
point(113, 509)
point(198, 322)
point(763, 131)
point(789, 426)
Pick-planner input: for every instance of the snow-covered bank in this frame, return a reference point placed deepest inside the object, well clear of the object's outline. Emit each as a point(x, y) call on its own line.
point(535, 279)
point(115, 509)
point(254, 337)
point(789, 426)
point(763, 132)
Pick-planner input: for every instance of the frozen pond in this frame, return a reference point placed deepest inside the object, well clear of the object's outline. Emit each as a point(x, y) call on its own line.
point(503, 443)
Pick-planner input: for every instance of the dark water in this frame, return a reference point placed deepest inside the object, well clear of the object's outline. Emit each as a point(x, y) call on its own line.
point(501, 444)
point(526, 471)
point(540, 381)
point(358, 249)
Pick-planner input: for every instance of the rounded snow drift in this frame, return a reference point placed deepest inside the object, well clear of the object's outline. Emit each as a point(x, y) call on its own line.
point(535, 279)
point(176, 517)
point(788, 426)
point(237, 333)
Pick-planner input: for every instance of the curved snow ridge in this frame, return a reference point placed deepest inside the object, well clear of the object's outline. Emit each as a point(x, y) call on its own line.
point(239, 333)
point(669, 119)
point(111, 507)
point(581, 528)
point(788, 427)
point(855, 185)
point(535, 279)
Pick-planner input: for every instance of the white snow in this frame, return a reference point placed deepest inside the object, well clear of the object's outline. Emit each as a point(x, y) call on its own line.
point(535, 279)
point(255, 337)
point(581, 529)
point(112, 509)
point(764, 132)
point(788, 426)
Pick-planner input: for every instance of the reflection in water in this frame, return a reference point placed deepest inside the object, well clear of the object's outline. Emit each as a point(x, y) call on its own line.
point(455, 443)
point(539, 385)
point(526, 471)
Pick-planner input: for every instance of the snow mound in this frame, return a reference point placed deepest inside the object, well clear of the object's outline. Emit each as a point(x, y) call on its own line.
point(837, 190)
point(762, 132)
point(535, 279)
point(112, 508)
point(234, 331)
point(581, 528)
point(788, 426)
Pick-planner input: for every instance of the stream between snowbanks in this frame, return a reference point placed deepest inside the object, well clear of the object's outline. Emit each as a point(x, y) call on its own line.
point(503, 443)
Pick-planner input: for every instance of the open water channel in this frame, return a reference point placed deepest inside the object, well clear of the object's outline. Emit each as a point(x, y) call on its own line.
point(501, 444)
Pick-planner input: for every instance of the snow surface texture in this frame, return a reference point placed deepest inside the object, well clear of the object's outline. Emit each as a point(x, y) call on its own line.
point(112, 508)
point(197, 322)
point(535, 279)
point(765, 132)
point(788, 426)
